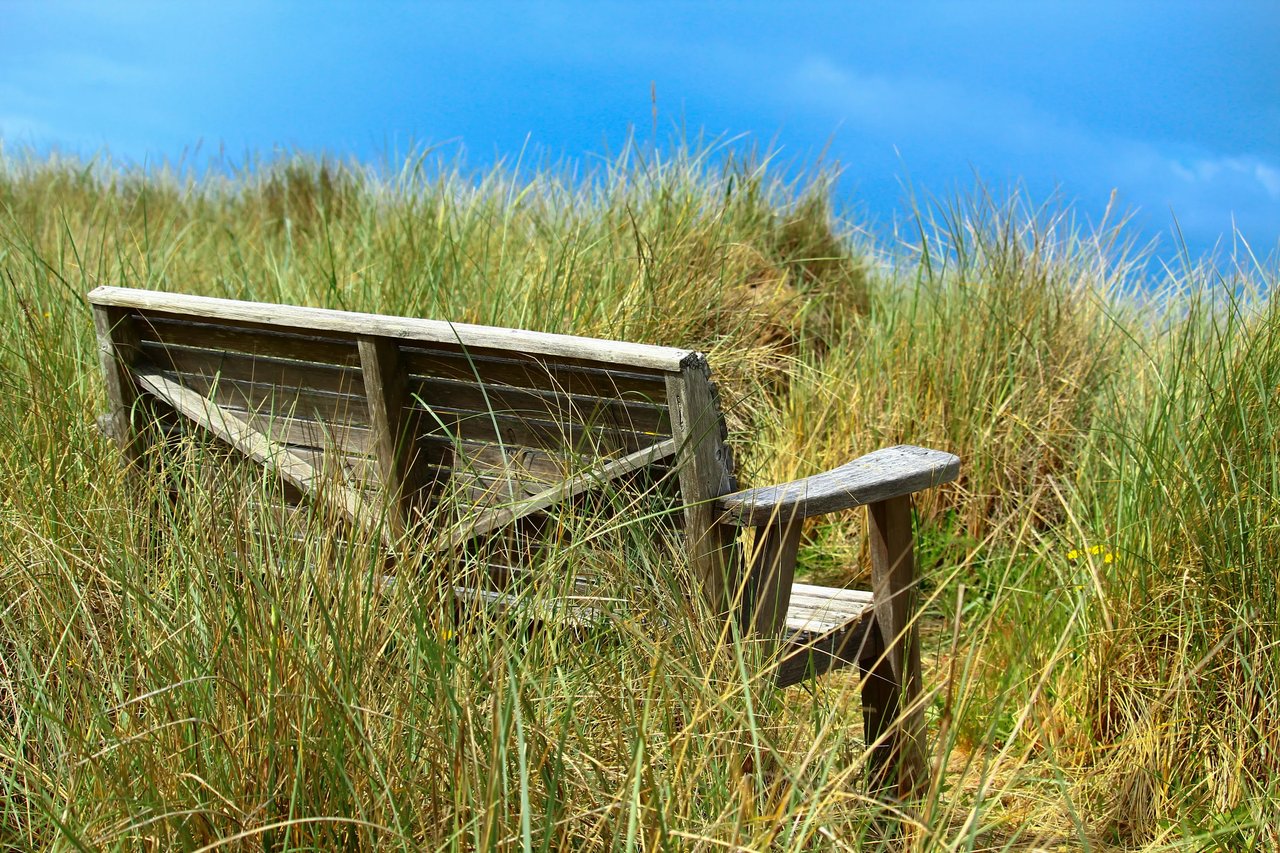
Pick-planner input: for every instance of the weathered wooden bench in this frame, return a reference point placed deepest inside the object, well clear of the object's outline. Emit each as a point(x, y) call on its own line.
point(512, 423)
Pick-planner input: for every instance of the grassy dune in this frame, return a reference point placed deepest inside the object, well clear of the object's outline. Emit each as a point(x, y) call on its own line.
point(1101, 621)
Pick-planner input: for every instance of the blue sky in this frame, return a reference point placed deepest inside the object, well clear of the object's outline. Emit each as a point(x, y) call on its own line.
point(1174, 106)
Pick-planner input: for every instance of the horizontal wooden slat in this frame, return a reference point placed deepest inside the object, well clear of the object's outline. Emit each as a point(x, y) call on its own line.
point(309, 433)
point(524, 463)
point(265, 370)
point(357, 469)
point(829, 593)
point(283, 401)
point(613, 412)
point(269, 342)
point(515, 370)
point(448, 425)
point(482, 492)
point(402, 328)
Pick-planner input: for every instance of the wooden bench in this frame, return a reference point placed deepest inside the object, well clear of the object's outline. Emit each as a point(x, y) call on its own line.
point(512, 423)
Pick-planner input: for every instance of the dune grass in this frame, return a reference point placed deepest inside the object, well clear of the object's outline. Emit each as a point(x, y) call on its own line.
point(1100, 587)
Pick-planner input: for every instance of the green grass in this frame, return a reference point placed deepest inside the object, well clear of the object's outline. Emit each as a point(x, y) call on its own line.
point(1101, 589)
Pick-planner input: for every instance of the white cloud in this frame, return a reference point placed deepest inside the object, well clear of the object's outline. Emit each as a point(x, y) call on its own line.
point(904, 103)
point(1000, 132)
point(1269, 177)
point(1229, 170)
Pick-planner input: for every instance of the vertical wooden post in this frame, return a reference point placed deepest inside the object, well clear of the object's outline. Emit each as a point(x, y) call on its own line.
point(386, 388)
point(773, 568)
point(891, 689)
point(119, 350)
point(706, 473)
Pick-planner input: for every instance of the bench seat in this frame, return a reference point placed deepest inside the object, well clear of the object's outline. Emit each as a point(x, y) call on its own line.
point(826, 627)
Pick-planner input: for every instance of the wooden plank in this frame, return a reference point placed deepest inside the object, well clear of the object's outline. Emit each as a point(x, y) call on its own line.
point(403, 328)
point(772, 571)
point(443, 423)
point(486, 492)
point(392, 422)
point(891, 692)
point(535, 469)
point(485, 460)
point(878, 476)
point(516, 370)
point(280, 400)
point(360, 472)
point(801, 591)
point(808, 656)
point(816, 615)
point(521, 463)
point(118, 352)
point(308, 433)
point(614, 413)
point(247, 341)
point(260, 369)
point(490, 474)
point(243, 437)
point(706, 473)
point(492, 487)
point(604, 472)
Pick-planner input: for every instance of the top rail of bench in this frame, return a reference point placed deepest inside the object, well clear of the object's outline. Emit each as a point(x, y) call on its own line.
point(409, 329)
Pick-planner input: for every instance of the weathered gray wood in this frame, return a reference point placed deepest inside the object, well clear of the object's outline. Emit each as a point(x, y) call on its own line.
point(247, 341)
point(118, 351)
point(599, 474)
point(256, 369)
point(303, 432)
point(772, 572)
point(541, 433)
point(820, 610)
point(854, 597)
point(613, 413)
point(403, 328)
point(257, 446)
point(281, 400)
point(386, 392)
point(464, 381)
point(706, 473)
point(359, 471)
point(810, 654)
point(884, 474)
point(531, 464)
point(517, 370)
point(881, 705)
point(892, 689)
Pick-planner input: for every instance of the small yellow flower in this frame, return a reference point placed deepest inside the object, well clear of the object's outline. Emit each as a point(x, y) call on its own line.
point(1107, 555)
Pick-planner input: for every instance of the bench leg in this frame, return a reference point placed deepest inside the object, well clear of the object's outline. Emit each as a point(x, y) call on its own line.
point(891, 667)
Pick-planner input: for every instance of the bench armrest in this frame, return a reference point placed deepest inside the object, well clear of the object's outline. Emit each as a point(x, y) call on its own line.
point(888, 473)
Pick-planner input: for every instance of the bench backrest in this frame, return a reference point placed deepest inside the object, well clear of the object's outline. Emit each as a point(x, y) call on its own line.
point(424, 410)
